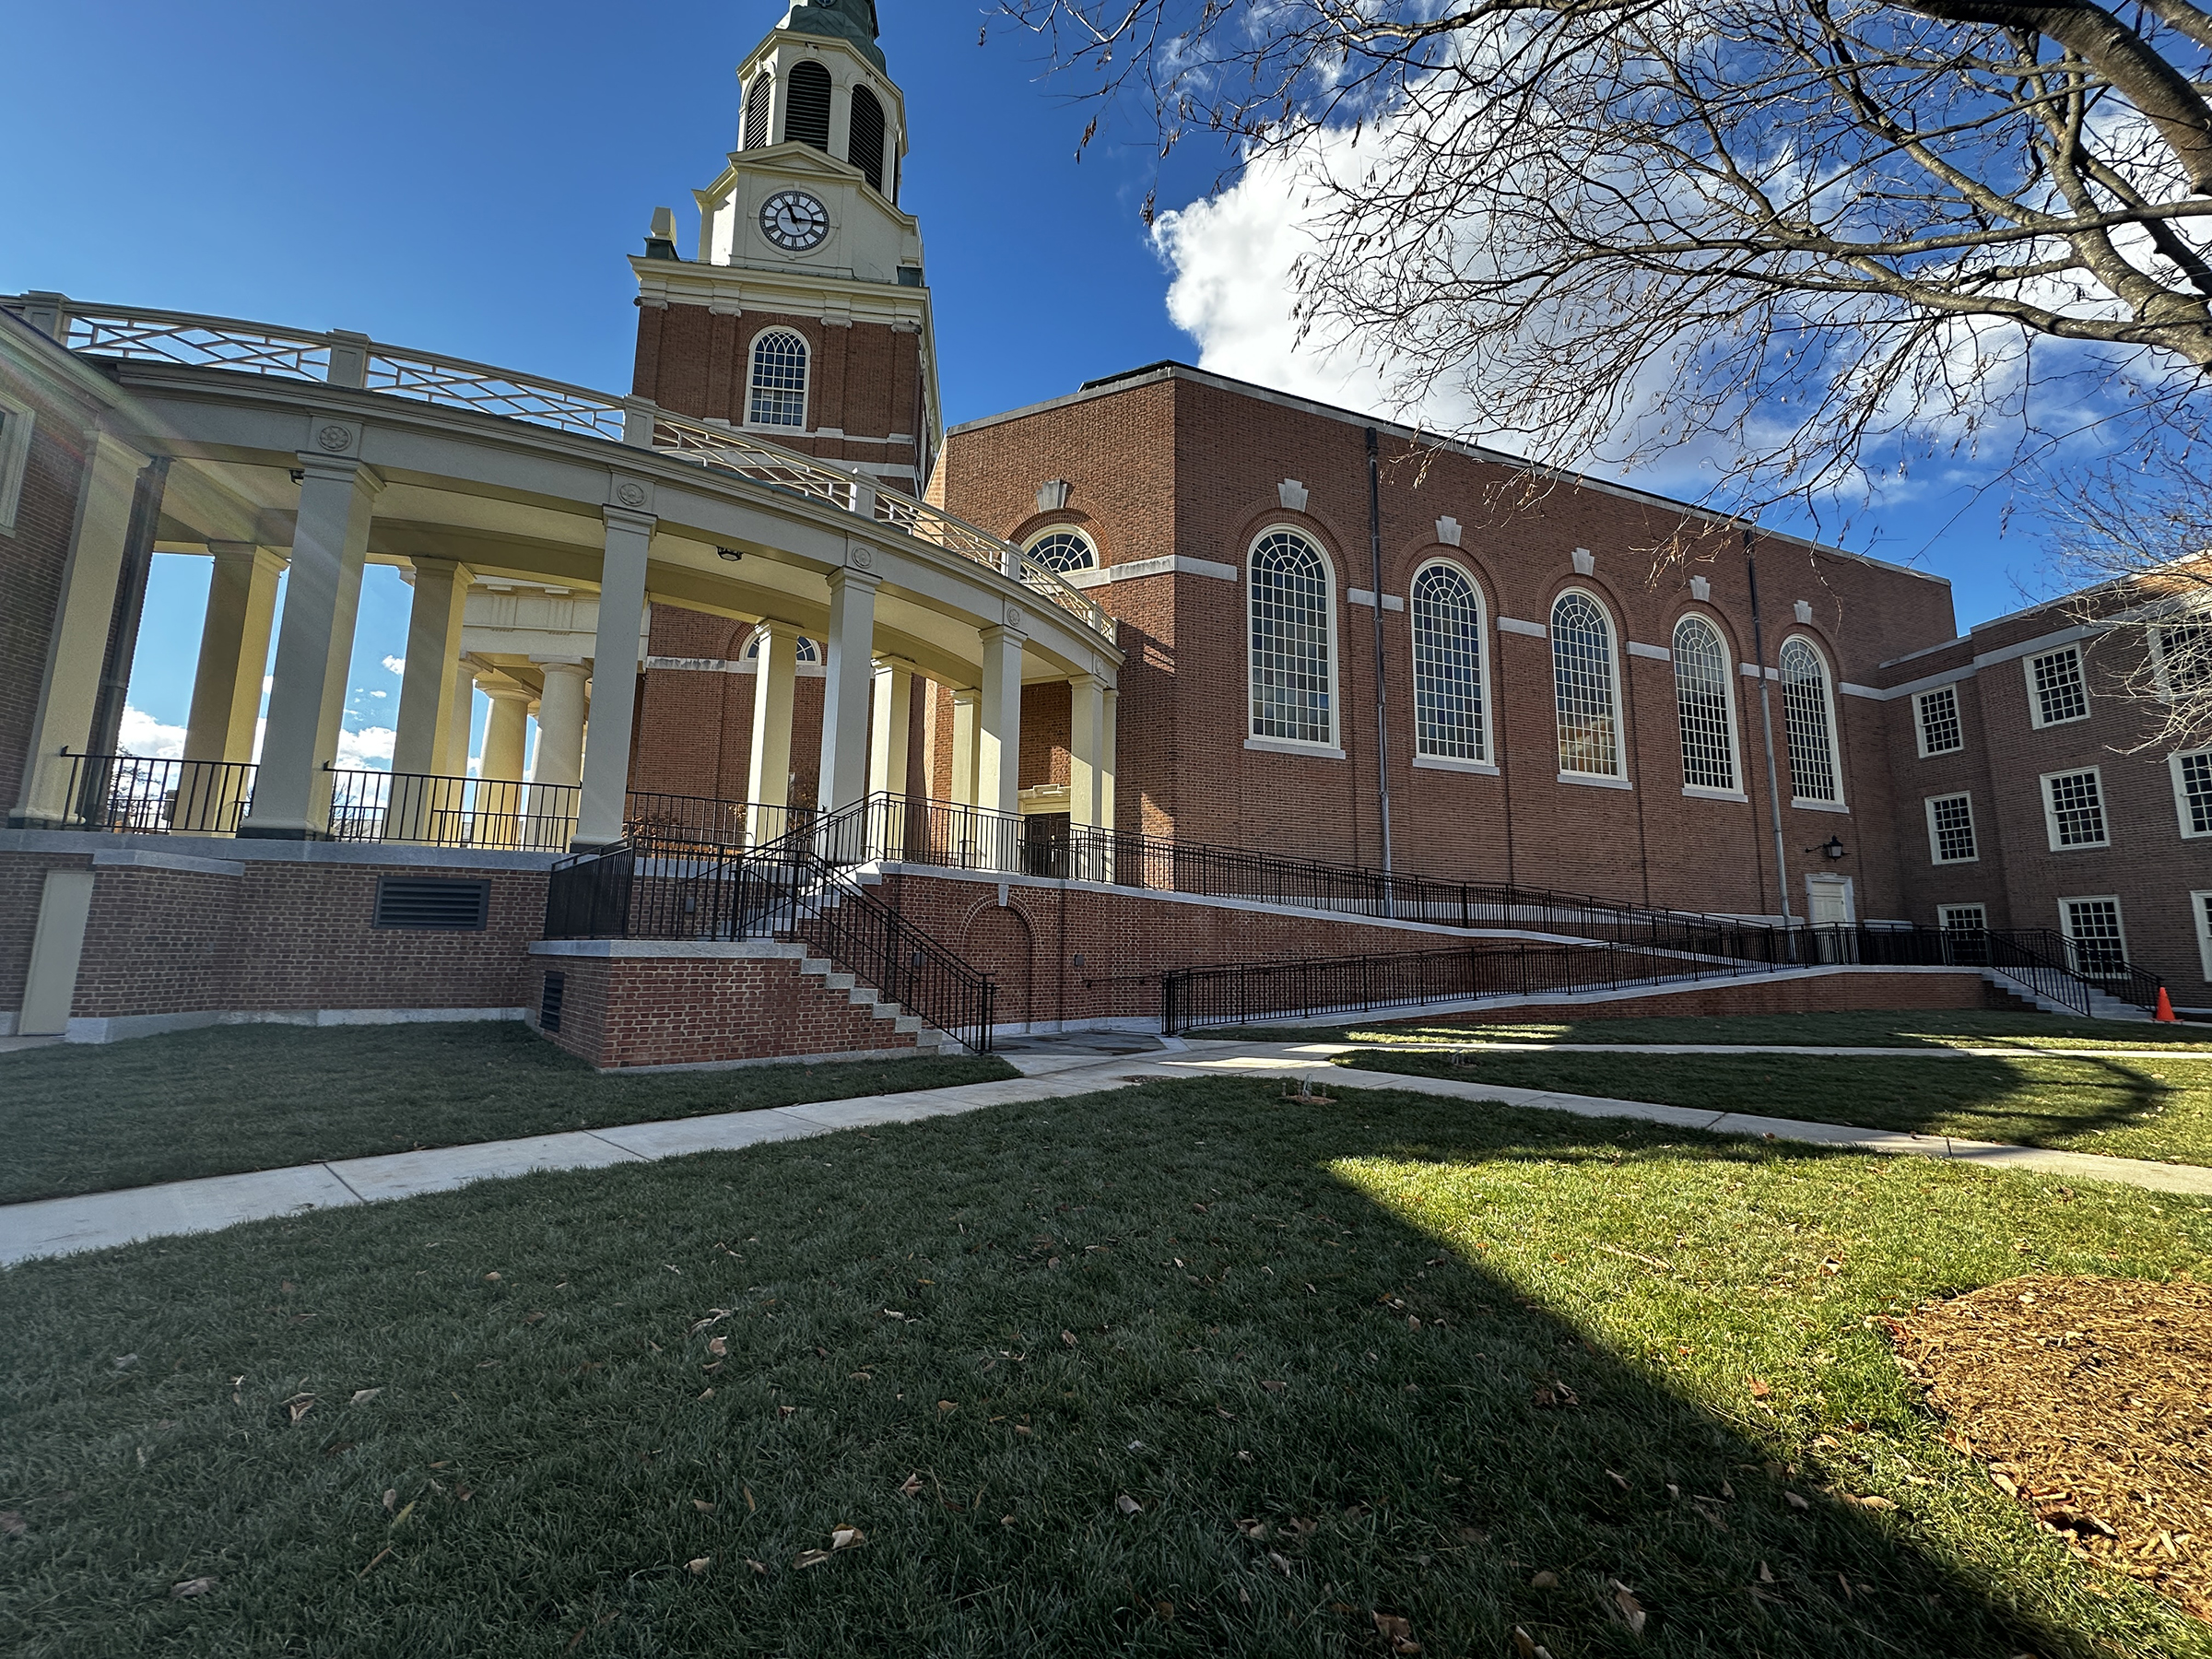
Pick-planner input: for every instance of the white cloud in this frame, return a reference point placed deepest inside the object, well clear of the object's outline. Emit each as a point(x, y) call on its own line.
point(143, 735)
point(380, 694)
point(396, 664)
point(369, 748)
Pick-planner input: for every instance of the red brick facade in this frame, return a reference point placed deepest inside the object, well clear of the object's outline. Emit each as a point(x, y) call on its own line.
point(1818, 991)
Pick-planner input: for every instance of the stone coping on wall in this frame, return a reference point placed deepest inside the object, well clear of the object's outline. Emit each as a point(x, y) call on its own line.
point(222, 855)
point(119, 1028)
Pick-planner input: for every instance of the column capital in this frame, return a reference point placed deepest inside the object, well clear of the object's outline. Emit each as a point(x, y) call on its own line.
point(443, 567)
point(847, 577)
point(507, 694)
point(997, 632)
point(634, 520)
point(340, 469)
point(893, 664)
point(256, 551)
point(549, 663)
point(1088, 678)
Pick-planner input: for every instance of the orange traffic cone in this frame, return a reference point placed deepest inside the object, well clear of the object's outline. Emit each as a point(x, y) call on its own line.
point(2165, 1008)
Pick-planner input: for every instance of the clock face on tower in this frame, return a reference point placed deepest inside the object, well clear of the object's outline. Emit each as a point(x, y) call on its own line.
point(794, 220)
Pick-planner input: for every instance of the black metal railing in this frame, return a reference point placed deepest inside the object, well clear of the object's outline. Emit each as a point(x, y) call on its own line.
point(429, 810)
point(2069, 972)
point(680, 890)
point(136, 794)
point(1257, 993)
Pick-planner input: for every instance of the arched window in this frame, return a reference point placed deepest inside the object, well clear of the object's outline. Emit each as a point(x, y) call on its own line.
point(779, 386)
point(863, 139)
point(1065, 550)
point(756, 112)
point(806, 107)
point(807, 651)
point(1584, 686)
point(1448, 713)
point(1293, 672)
point(1701, 700)
point(1809, 714)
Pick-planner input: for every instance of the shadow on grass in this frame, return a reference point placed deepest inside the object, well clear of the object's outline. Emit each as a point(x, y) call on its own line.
point(94, 1118)
point(1306, 1344)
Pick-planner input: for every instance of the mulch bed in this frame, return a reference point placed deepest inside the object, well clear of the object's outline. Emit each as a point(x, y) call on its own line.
point(2090, 1402)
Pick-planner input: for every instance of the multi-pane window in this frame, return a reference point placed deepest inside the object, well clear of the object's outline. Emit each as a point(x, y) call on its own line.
point(2093, 927)
point(2200, 907)
point(1939, 716)
point(807, 651)
point(1962, 918)
point(1292, 680)
point(2074, 805)
point(1701, 705)
point(1952, 829)
point(1065, 550)
point(2192, 791)
point(779, 385)
point(1582, 685)
point(1447, 665)
point(2055, 681)
point(1809, 719)
point(2183, 654)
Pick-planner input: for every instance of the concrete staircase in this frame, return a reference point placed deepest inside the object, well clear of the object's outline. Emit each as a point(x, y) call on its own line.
point(2101, 1006)
point(927, 1038)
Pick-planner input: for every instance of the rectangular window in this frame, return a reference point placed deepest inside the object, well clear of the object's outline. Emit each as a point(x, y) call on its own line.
point(1963, 918)
point(2074, 809)
point(2094, 939)
point(2182, 652)
point(1952, 829)
point(1937, 712)
point(15, 458)
point(2200, 907)
point(2055, 689)
point(2192, 791)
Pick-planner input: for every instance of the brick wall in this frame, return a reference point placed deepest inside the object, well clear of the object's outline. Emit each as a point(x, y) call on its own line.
point(1841, 990)
point(22, 882)
point(631, 1011)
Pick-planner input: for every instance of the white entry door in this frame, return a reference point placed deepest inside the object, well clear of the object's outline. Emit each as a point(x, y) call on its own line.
point(1828, 901)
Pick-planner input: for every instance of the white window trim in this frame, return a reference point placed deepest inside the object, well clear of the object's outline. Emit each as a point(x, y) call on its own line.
point(806, 384)
point(1489, 661)
point(2043, 786)
point(2181, 794)
point(1614, 780)
point(2156, 642)
point(1835, 728)
point(2204, 929)
point(1334, 748)
point(2035, 697)
point(15, 458)
point(1955, 904)
point(1098, 559)
point(1934, 843)
point(1705, 791)
point(1919, 728)
point(2065, 918)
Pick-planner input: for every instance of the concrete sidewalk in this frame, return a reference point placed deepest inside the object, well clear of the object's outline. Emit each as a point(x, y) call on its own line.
point(97, 1220)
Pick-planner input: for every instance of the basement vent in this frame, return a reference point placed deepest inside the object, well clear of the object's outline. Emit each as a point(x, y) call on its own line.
point(549, 1003)
point(432, 904)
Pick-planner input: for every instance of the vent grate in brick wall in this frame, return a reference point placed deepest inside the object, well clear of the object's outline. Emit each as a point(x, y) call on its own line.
point(548, 1002)
point(432, 904)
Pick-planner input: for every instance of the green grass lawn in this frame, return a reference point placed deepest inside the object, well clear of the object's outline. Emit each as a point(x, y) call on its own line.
point(1946, 1030)
point(1181, 1369)
point(2157, 1109)
point(87, 1118)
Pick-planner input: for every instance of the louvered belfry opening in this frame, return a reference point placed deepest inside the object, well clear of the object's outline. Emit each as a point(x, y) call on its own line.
point(865, 148)
point(756, 112)
point(807, 118)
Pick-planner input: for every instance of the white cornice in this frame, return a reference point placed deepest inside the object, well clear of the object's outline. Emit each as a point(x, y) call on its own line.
point(801, 293)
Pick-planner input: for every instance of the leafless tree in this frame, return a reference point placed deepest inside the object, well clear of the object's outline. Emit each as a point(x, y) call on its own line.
point(1813, 242)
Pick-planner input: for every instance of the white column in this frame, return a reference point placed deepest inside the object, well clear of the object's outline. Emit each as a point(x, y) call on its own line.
point(1085, 745)
point(226, 688)
point(768, 779)
point(453, 753)
point(426, 685)
point(603, 806)
point(964, 701)
point(499, 779)
point(1110, 706)
point(314, 651)
point(560, 723)
point(893, 724)
point(847, 676)
point(81, 629)
point(998, 723)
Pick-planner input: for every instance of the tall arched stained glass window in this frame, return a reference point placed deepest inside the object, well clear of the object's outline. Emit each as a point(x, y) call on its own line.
point(1809, 714)
point(779, 383)
point(1448, 723)
point(1584, 687)
point(1293, 676)
point(1701, 702)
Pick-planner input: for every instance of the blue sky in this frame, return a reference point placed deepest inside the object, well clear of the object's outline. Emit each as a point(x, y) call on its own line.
point(467, 177)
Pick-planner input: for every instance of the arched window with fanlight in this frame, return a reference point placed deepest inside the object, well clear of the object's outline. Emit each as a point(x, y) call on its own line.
point(1065, 550)
point(1292, 603)
point(1449, 718)
point(1808, 707)
point(807, 650)
point(778, 395)
point(1585, 687)
point(1704, 705)
point(864, 140)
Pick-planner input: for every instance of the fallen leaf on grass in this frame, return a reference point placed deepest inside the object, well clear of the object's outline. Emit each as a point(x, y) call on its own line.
point(911, 1486)
point(811, 1557)
point(718, 1345)
point(1618, 1478)
point(703, 1506)
point(299, 1405)
point(374, 1559)
point(191, 1587)
point(1796, 1501)
point(361, 1397)
point(1631, 1610)
point(405, 1509)
point(750, 1505)
point(1543, 1581)
point(1760, 1389)
point(1275, 1560)
point(1526, 1646)
point(1068, 1337)
point(1271, 1386)
point(465, 1492)
point(1126, 1504)
point(1555, 1396)
point(1397, 1631)
point(700, 1565)
point(758, 1567)
point(948, 1405)
point(391, 1498)
point(847, 1537)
